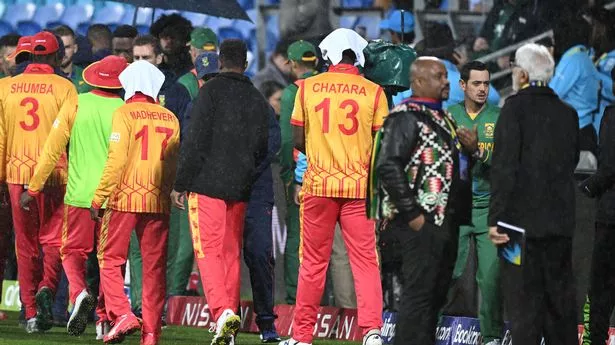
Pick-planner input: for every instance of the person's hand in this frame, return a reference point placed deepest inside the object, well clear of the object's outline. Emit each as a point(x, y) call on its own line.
point(296, 194)
point(468, 138)
point(94, 214)
point(178, 199)
point(496, 237)
point(25, 200)
point(461, 57)
point(480, 44)
point(504, 62)
point(417, 223)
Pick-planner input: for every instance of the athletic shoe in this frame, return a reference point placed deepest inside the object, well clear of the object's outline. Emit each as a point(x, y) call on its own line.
point(124, 325)
point(102, 329)
point(149, 339)
point(78, 320)
point(227, 325)
point(44, 312)
point(372, 338)
point(32, 326)
point(269, 334)
point(495, 342)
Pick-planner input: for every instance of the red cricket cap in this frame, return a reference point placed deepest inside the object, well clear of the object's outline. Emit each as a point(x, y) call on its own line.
point(106, 72)
point(24, 45)
point(44, 43)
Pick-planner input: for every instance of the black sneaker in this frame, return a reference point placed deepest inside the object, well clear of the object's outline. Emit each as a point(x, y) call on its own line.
point(44, 313)
point(270, 335)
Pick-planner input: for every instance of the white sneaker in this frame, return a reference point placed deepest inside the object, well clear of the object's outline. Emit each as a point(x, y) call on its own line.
point(372, 338)
point(226, 327)
point(78, 320)
point(102, 328)
point(292, 341)
point(32, 326)
point(495, 342)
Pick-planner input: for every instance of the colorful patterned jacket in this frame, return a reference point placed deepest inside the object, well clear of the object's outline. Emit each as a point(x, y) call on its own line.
point(418, 167)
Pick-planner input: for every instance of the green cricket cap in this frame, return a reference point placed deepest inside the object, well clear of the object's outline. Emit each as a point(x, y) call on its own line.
point(302, 51)
point(204, 38)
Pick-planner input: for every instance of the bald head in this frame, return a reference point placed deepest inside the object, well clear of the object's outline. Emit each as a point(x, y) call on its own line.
point(428, 78)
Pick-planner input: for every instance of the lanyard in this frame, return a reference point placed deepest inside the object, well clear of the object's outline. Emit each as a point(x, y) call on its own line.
point(453, 132)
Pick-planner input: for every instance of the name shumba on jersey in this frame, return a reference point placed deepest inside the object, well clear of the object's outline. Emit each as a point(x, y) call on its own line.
point(29, 104)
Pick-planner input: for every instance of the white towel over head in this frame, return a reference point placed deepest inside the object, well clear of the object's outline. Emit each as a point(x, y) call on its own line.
point(342, 39)
point(142, 76)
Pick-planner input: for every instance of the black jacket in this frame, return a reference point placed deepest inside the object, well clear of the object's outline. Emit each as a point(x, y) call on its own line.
point(226, 140)
point(601, 184)
point(409, 173)
point(532, 171)
point(174, 96)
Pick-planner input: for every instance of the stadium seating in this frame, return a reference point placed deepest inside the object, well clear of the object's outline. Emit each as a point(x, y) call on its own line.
point(76, 14)
point(143, 29)
point(5, 28)
point(144, 16)
point(19, 12)
point(229, 32)
point(48, 13)
point(2, 9)
point(28, 28)
point(110, 13)
point(197, 19)
point(82, 29)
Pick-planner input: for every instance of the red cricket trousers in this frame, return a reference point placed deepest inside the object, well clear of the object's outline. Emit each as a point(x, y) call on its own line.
point(152, 232)
point(37, 228)
point(6, 225)
point(318, 219)
point(79, 234)
point(217, 235)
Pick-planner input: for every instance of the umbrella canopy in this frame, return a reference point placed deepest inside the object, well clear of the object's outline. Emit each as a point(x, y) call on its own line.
point(217, 8)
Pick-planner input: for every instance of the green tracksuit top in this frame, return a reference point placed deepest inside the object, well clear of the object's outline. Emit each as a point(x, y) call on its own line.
point(485, 122)
point(287, 104)
point(88, 147)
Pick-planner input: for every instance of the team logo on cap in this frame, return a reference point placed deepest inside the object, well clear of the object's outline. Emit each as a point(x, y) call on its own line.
point(205, 61)
point(161, 100)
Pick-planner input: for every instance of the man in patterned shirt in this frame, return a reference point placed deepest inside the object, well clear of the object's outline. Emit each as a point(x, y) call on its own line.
point(421, 180)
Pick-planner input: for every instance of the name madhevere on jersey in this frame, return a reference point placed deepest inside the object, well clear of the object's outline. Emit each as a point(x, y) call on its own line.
point(340, 88)
point(40, 88)
point(151, 115)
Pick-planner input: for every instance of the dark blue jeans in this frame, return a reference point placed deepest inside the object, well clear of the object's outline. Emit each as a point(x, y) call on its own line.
point(258, 254)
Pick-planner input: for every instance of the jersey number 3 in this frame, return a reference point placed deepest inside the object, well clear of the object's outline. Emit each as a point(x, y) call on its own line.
point(352, 108)
point(33, 103)
point(143, 134)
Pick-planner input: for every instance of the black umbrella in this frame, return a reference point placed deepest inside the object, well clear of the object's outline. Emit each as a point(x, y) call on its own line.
point(217, 8)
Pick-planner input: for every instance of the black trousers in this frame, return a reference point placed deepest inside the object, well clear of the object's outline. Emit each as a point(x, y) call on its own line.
point(427, 267)
point(602, 283)
point(540, 295)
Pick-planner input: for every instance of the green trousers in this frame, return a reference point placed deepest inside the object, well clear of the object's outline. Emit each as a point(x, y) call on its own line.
point(487, 274)
point(586, 329)
point(291, 250)
point(180, 258)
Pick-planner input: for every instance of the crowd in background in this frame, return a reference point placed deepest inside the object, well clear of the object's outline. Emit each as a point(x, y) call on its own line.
point(582, 49)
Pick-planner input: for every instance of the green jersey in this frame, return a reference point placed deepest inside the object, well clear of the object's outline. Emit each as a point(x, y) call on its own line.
point(191, 84)
point(77, 78)
point(286, 157)
point(485, 122)
point(89, 146)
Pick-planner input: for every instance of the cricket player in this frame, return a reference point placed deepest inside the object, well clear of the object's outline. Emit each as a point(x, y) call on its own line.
point(29, 104)
point(137, 181)
point(475, 113)
point(88, 128)
point(334, 118)
point(303, 60)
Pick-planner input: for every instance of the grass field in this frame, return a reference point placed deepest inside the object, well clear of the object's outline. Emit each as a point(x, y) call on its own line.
point(12, 334)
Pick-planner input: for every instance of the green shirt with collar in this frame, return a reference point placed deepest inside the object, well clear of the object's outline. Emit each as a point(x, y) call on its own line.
point(485, 122)
point(287, 161)
point(77, 78)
